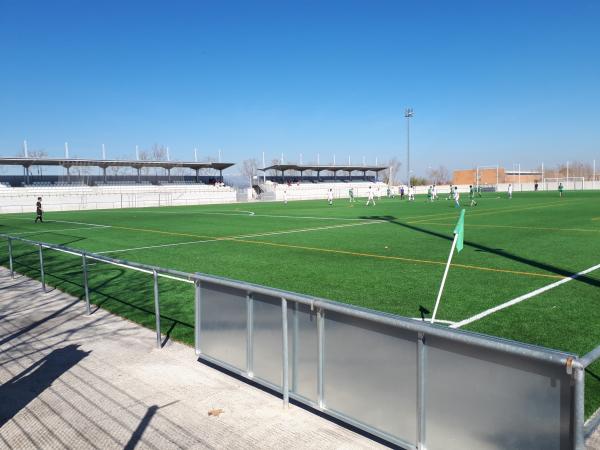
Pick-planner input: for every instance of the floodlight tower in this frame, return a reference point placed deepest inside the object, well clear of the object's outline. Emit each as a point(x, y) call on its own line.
point(408, 113)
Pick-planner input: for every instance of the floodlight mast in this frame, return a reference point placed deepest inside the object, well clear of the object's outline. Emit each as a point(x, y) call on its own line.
point(408, 113)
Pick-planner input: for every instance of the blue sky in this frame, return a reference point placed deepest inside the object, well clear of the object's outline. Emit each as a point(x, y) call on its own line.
point(490, 81)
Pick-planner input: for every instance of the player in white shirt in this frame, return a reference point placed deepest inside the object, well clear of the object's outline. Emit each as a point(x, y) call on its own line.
point(434, 193)
point(285, 197)
point(370, 197)
point(456, 197)
point(330, 197)
point(510, 191)
point(411, 193)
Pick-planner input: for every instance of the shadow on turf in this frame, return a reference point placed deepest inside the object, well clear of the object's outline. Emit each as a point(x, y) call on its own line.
point(495, 251)
point(65, 276)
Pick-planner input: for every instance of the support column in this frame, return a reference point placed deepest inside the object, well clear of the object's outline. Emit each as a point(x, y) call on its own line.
point(169, 175)
point(139, 171)
point(104, 172)
point(197, 175)
point(68, 174)
point(221, 175)
point(285, 361)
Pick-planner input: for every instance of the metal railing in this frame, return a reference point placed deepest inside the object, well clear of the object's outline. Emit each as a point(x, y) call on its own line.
point(414, 384)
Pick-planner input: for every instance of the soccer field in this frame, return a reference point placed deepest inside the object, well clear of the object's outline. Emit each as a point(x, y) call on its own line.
point(389, 257)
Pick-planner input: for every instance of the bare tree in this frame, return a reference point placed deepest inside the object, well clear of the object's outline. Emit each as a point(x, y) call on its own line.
point(391, 174)
point(34, 154)
point(274, 162)
point(439, 175)
point(249, 169)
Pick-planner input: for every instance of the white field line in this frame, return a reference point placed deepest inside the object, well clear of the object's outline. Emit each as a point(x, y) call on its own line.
point(449, 322)
point(522, 298)
point(253, 214)
point(69, 222)
point(55, 231)
point(243, 236)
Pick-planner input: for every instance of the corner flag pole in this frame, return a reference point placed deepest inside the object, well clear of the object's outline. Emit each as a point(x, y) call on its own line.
point(457, 242)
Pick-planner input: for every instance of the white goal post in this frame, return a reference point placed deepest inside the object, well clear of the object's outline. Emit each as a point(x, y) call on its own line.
point(569, 183)
point(478, 175)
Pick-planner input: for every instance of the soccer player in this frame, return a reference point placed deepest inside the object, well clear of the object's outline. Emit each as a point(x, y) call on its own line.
point(472, 196)
point(434, 192)
point(378, 193)
point(370, 198)
point(429, 194)
point(510, 191)
point(285, 196)
point(479, 191)
point(456, 197)
point(351, 194)
point(411, 193)
point(39, 212)
point(389, 192)
point(401, 192)
point(450, 194)
point(560, 189)
point(330, 197)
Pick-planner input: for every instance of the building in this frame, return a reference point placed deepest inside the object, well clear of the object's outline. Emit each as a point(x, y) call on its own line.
point(495, 175)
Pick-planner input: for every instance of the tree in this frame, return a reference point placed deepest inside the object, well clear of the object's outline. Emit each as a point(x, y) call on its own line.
point(439, 175)
point(34, 154)
point(249, 169)
point(393, 166)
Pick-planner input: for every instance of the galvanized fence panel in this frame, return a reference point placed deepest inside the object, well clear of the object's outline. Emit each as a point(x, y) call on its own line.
point(223, 326)
point(414, 384)
point(487, 399)
point(371, 374)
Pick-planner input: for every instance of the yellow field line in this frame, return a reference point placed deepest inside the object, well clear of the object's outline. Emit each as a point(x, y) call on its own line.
point(343, 252)
point(470, 225)
point(397, 258)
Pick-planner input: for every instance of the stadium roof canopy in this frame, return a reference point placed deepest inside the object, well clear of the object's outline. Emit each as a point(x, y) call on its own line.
point(71, 162)
point(319, 168)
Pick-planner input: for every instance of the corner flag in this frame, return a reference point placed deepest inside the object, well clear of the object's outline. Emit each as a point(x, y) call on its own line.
point(458, 243)
point(459, 230)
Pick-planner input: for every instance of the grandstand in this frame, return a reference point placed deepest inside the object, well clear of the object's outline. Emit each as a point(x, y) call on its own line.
point(139, 166)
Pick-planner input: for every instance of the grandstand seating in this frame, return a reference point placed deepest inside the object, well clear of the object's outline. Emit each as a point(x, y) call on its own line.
point(72, 197)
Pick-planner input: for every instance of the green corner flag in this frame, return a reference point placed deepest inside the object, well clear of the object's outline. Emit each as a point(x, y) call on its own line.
point(459, 230)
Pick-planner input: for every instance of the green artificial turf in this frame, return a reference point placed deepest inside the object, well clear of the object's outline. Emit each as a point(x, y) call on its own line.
point(389, 257)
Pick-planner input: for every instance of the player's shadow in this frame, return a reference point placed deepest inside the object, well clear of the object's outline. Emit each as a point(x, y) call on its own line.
point(499, 252)
point(27, 385)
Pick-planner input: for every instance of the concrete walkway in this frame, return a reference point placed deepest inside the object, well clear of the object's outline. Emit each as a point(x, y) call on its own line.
point(71, 381)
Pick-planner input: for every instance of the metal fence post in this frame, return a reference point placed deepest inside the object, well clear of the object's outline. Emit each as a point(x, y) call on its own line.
point(421, 392)
point(249, 335)
point(42, 268)
point(578, 407)
point(284, 333)
point(86, 285)
point(321, 357)
point(157, 309)
point(295, 337)
point(198, 304)
point(10, 258)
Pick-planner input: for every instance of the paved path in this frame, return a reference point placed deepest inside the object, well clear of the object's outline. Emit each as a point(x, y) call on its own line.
point(71, 381)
